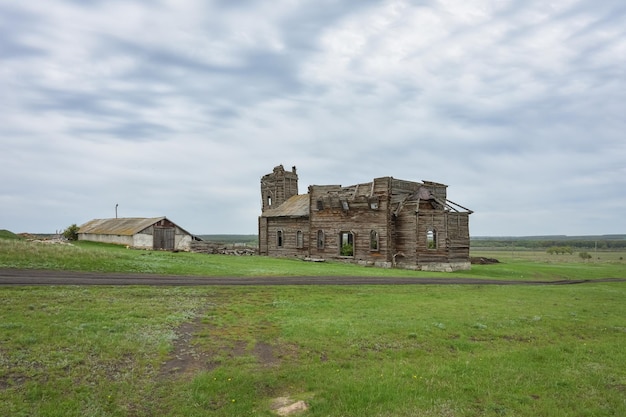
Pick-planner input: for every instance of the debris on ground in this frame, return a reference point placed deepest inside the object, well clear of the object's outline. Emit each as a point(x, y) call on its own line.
point(483, 261)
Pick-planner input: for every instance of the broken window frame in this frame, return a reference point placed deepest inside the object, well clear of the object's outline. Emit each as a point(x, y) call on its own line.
point(320, 239)
point(374, 241)
point(346, 243)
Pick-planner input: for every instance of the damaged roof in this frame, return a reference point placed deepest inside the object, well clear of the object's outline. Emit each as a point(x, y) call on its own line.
point(121, 226)
point(295, 206)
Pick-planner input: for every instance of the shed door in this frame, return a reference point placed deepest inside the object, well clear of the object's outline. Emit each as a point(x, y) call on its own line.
point(164, 238)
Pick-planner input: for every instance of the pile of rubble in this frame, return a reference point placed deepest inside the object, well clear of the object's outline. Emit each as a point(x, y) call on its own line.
point(213, 248)
point(50, 239)
point(483, 261)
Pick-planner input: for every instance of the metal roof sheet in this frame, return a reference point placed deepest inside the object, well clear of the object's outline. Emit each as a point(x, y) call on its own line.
point(295, 206)
point(121, 226)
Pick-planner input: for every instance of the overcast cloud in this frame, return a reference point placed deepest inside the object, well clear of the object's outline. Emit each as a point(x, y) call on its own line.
point(178, 107)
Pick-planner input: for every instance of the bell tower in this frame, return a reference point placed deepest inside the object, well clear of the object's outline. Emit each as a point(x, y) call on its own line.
point(278, 186)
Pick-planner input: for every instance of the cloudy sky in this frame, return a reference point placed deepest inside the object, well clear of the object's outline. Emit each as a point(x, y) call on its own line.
point(178, 107)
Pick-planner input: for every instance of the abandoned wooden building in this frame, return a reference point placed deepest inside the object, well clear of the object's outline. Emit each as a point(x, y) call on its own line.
point(386, 222)
point(141, 233)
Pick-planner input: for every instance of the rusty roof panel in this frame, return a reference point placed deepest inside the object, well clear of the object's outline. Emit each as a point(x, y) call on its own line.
point(295, 206)
point(121, 226)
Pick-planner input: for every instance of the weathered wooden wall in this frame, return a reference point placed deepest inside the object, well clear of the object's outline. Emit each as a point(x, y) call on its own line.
point(459, 237)
point(263, 250)
point(278, 186)
point(289, 228)
point(359, 210)
point(411, 230)
point(405, 226)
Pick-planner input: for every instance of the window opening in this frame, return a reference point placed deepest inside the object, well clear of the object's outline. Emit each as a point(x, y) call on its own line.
point(320, 239)
point(373, 240)
point(299, 239)
point(279, 238)
point(320, 205)
point(346, 243)
point(431, 239)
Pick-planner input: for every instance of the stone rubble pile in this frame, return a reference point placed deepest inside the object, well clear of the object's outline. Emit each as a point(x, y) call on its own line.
point(213, 248)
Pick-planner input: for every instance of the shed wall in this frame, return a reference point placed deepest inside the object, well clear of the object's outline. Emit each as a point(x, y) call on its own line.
point(183, 241)
point(115, 239)
point(143, 240)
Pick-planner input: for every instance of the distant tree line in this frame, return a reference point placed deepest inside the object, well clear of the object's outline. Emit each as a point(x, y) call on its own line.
point(560, 250)
point(549, 243)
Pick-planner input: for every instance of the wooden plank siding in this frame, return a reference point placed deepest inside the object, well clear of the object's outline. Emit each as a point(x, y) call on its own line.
point(459, 237)
point(263, 244)
point(359, 210)
point(289, 228)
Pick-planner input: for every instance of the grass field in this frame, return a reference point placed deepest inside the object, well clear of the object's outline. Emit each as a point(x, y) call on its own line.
point(89, 256)
point(379, 351)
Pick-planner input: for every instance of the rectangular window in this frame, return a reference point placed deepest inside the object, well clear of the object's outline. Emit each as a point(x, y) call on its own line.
point(299, 239)
point(320, 205)
point(431, 239)
point(320, 239)
point(374, 240)
point(346, 243)
point(279, 238)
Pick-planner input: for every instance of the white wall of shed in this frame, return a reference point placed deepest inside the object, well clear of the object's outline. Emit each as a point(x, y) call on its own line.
point(143, 241)
point(116, 239)
point(182, 241)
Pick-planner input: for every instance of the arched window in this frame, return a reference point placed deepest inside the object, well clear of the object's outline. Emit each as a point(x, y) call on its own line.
point(279, 238)
point(299, 239)
point(320, 239)
point(374, 243)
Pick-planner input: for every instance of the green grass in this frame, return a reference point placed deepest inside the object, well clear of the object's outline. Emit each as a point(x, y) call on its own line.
point(371, 351)
point(5, 234)
point(347, 351)
point(538, 265)
point(89, 256)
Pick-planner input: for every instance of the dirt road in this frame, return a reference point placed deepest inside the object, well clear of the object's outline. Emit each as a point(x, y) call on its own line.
point(44, 277)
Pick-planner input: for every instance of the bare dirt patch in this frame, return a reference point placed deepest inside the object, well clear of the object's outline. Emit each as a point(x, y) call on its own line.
point(188, 358)
point(264, 353)
point(185, 358)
